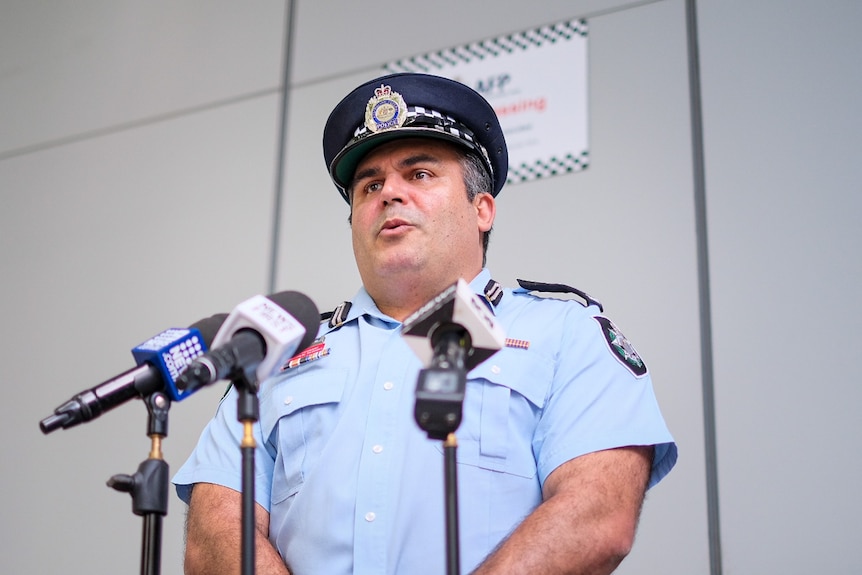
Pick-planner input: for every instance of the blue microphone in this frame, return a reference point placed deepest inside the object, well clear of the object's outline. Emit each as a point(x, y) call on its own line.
point(171, 352)
point(161, 359)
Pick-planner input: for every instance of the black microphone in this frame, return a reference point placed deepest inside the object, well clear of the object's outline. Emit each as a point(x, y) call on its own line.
point(451, 334)
point(455, 310)
point(257, 339)
point(160, 360)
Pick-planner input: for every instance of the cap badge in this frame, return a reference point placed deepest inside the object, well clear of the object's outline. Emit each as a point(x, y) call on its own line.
point(385, 110)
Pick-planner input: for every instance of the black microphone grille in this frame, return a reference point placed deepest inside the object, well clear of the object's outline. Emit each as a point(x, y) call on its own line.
point(209, 326)
point(303, 310)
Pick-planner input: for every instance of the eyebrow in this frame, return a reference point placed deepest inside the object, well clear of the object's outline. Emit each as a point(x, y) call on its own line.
point(407, 162)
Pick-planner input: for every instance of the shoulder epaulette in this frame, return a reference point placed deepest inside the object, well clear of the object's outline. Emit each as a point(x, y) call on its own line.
point(494, 292)
point(560, 288)
point(337, 316)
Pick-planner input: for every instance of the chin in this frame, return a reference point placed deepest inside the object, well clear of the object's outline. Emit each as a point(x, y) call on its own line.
point(402, 264)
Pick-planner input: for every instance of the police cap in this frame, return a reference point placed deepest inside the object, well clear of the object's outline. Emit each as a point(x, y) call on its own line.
point(412, 105)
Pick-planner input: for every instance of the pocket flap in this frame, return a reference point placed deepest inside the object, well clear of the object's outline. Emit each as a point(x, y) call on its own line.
point(294, 391)
point(519, 370)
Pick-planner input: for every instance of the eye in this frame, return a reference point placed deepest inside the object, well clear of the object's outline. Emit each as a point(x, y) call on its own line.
point(372, 187)
point(421, 175)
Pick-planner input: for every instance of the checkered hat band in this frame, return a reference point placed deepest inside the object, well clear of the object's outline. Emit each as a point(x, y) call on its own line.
point(419, 117)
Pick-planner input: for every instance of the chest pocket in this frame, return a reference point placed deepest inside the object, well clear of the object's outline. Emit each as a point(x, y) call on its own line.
point(301, 411)
point(502, 406)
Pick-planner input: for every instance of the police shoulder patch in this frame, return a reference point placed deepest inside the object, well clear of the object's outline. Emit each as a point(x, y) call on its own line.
point(621, 348)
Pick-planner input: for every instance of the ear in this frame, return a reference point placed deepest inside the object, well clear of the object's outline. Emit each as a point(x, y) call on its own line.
point(486, 210)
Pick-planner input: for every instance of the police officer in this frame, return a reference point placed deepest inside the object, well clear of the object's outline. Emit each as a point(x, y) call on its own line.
point(561, 432)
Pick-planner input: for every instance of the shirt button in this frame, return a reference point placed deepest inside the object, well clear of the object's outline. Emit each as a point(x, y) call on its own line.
point(370, 516)
point(495, 369)
point(388, 385)
point(288, 400)
point(377, 449)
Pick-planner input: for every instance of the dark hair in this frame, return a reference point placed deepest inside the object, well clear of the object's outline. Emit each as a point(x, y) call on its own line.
point(477, 181)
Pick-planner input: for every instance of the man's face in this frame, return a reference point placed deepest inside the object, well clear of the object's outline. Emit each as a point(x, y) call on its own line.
point(411, 215)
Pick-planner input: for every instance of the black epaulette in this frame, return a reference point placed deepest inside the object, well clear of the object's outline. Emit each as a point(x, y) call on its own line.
point(494, 292)
point(560, 288)
point(337, 316)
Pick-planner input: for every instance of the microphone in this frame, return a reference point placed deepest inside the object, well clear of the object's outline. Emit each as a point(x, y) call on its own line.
point(451, 334)
point(160, 360)
point(455, 310)
point(258, 337)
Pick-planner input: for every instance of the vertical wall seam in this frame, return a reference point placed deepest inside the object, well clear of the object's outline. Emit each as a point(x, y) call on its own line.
point(281, 147)
point(707, 375)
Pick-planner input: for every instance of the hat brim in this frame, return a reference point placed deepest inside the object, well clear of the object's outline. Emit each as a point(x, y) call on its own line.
point(344, 164)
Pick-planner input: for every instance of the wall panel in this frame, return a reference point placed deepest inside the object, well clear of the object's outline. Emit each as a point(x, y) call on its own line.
point(107, 242)
point(74, 68)
point(781, 88)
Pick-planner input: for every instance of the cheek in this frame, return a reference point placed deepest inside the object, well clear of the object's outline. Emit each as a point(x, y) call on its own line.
point(360, 219)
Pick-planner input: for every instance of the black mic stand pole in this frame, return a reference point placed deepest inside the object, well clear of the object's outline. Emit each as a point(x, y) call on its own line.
point(149, 485)
point(248, 413)
point(439, 399)
point(450, 470)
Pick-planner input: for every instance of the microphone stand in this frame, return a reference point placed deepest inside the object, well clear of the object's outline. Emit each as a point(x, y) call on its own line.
point(248, 413)
point(439, 399)
point(450, 470)
point(149, 485)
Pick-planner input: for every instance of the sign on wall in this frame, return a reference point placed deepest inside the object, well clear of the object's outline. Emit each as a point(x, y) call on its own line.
point(536, 81)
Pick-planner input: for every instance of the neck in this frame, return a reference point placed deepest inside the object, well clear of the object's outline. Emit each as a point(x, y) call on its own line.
point(400, 299)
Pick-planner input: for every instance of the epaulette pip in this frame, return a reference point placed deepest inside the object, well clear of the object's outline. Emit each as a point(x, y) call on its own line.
point(337, 316)
point(494, 292)
point(560, 288)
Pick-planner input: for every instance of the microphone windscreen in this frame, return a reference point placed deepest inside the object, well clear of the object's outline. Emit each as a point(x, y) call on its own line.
point(209, 327)
point(303, 310)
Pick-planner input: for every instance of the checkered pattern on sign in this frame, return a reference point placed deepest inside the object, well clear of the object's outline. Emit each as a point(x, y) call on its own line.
point(429, 63)
point(438, 62)
point(547, 168)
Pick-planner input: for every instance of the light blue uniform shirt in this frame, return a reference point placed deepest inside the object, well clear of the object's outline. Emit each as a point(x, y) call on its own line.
point(354, 486)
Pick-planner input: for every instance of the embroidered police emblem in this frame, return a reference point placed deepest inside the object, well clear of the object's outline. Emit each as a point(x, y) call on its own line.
point(385, 110)
point(621, 347)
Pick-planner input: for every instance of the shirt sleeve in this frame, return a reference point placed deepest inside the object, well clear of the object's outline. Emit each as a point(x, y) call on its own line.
point(597, 402)
point(217, 457)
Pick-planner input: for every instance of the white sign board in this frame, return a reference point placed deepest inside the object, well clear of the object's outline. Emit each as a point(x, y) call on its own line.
point(537, 82)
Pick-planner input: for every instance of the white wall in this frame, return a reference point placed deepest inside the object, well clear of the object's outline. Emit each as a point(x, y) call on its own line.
point(131, 132)
point(137, 178)
point(781, 90)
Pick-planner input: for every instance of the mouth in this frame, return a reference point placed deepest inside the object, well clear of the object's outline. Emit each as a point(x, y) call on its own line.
point(394, 226)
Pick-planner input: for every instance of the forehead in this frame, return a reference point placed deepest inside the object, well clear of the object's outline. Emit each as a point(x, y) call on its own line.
point(404, 149)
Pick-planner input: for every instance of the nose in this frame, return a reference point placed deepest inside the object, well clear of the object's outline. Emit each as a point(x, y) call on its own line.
point(393, 190)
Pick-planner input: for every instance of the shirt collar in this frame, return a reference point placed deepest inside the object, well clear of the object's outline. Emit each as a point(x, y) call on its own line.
point(362, 304)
